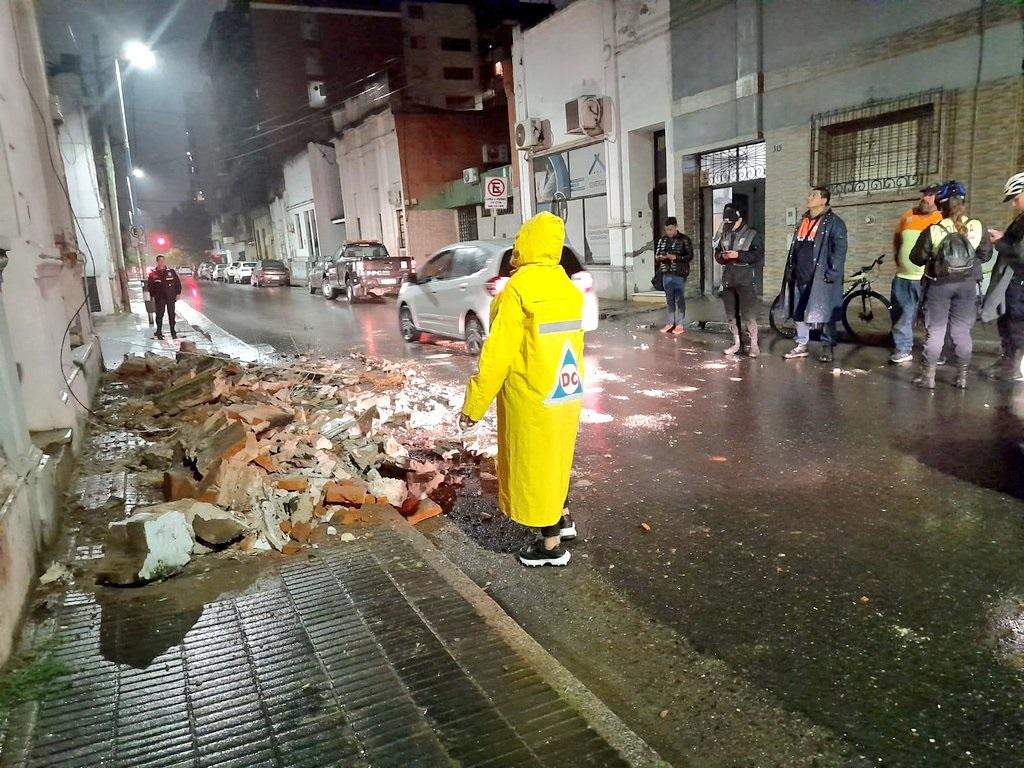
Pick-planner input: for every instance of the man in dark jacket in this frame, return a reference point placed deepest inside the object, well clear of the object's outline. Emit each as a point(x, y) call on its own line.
point(673, 254)
point(165, 287)
point(738, 250)
point(813, 283)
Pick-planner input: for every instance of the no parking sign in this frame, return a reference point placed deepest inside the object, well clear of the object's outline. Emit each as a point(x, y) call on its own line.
point(495, 193)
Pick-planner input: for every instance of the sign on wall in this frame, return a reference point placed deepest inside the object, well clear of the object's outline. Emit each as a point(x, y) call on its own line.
point(495, 193)
point(574, 186)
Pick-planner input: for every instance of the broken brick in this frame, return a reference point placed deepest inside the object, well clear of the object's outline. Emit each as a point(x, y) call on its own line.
point(300, 531)
point(178, 485)
point(489, 482)
point(425, 510)
point(298, 484)
point(347, 492)
point(291, 548)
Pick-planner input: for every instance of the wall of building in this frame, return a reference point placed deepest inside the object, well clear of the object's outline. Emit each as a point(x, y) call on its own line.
point(972, 51)
point(327, 198)
point(371, 181)
point(430, 230)
point(575, 42)
point(40, 291)
point(447, 79)
point(84, 188)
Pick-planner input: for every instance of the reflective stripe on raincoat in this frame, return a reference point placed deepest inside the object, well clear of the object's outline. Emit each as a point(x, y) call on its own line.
point(532, 361)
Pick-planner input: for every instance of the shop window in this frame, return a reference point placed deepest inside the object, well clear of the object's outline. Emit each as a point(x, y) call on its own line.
point(459, 73)
point(878, 146)
point(456, 44)
point(467, 223)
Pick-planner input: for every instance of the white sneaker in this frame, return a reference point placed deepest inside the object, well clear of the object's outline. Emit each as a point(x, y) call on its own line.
point(898, 358)
point(568, 532)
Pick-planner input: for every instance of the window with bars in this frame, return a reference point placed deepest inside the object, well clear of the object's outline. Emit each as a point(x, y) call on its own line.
point(467, 223)
point(728, 166)
point(878, 146)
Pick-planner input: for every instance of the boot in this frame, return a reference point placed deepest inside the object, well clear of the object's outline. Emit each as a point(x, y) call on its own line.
point(961, 377)
point(734, 328)
point(926, 379)
point(754, 350)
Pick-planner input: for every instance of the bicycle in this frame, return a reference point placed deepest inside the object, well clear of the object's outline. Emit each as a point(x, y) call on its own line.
point(867, 314)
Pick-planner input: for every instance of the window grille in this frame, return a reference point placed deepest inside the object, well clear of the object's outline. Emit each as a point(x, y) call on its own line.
point(882, 145)
point(467, 223)
point(728, 166)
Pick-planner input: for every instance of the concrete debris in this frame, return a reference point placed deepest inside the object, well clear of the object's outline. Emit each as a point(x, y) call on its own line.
point(277, 458)
point(148, 545)
point(56, 572)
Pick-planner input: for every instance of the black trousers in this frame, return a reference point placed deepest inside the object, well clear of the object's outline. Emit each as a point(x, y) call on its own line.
point(162, 305)
point(740, 303)
point(553, 530)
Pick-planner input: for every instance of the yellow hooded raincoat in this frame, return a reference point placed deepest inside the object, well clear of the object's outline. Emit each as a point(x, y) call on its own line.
point(532, 361)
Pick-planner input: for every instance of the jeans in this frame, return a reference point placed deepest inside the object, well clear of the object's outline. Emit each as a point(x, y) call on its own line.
point(675, 287)
point(905, 297)
point(952, 306)
point(828, 333)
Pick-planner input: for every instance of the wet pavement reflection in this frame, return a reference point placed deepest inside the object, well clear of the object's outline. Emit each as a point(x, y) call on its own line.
point(850, 543)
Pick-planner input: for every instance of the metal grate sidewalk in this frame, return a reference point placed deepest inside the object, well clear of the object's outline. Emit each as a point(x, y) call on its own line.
point(364, 656)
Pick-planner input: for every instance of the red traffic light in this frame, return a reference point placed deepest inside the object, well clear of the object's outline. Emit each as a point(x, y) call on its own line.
point(160, 241)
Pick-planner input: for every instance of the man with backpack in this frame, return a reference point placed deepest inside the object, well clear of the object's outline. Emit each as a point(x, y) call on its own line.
point(951, 253)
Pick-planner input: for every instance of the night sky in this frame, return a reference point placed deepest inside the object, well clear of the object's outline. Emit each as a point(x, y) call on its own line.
point(175, 29)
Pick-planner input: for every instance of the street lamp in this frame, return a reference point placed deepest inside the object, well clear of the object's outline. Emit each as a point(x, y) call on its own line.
point(138, 173)
point(138, 54)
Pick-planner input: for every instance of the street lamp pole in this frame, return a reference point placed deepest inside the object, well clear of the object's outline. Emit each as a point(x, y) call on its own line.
point(127, 143)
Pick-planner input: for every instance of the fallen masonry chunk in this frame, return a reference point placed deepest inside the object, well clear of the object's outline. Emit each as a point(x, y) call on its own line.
point(185, 350)
point(148, 545)
point(178, 485)
point(208, 444)
point(489, 482)
point(132, 366)
point(425, 510)
point(293, 483)
point(215, 526)
point(393, 491)
point(347, 492)
point(337, 427)
point(157, 456)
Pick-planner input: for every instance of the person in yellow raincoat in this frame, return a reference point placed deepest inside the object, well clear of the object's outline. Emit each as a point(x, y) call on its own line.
point(532, 361)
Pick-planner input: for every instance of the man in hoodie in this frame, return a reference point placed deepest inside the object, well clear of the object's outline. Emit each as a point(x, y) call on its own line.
point(164, 286)
point(532, 361)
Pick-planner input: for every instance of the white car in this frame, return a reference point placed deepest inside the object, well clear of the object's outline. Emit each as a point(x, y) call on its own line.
point(220, 273)
point(241, 271)
point(450, 295)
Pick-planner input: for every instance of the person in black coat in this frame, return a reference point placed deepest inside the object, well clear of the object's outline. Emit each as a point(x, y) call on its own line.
point(738, 249)
point(813, 283)
point(165, 287)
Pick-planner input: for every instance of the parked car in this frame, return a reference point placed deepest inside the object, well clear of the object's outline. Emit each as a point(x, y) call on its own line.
point(270, 272)
point(205, 271)
point(360, 269)
point(220, 272)
point(184, 271)
point(450, 295)
point(241, 271)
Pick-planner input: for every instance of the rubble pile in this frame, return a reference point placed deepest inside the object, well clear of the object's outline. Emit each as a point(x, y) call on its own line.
point(261, 458)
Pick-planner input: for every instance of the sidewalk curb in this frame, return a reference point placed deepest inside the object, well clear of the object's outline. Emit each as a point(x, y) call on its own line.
point(604, 722)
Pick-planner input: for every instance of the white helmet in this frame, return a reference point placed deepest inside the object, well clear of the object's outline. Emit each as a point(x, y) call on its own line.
point(1014, 186)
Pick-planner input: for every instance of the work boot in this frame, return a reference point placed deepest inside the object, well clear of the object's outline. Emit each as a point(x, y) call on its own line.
point(174, 334)
point(961, 377)
point(158, 335)
point(926, 378)
point(537, 554)
point(754, 350)
point(734, 329)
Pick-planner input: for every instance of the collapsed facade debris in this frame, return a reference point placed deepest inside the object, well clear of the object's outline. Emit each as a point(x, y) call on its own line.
point(259, 458)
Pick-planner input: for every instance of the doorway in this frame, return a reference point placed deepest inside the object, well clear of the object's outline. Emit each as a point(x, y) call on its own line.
point(730, 175)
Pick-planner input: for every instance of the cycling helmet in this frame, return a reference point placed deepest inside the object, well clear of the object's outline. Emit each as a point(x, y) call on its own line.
point(1014, 186)
point(951, 188)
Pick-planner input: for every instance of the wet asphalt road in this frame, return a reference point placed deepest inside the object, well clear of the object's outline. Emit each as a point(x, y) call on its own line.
point(847, 542)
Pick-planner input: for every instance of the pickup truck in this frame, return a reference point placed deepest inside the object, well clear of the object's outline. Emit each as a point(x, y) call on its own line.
point(360, 269)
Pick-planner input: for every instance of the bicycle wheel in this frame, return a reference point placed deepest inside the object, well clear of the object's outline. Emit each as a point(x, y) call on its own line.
point(782, 325)
point(867, 317)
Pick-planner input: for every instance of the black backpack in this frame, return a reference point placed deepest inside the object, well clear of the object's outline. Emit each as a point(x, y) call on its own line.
point(954, 256)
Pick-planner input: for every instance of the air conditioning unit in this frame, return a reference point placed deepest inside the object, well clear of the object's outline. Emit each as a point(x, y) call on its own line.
point(317, 93)
point(495, 153)
point(533, 133)
point(587, 115)
point(470, 176)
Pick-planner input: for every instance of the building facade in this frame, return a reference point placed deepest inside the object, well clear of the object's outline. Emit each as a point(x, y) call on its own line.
point(609, 178)
point(874, 103)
